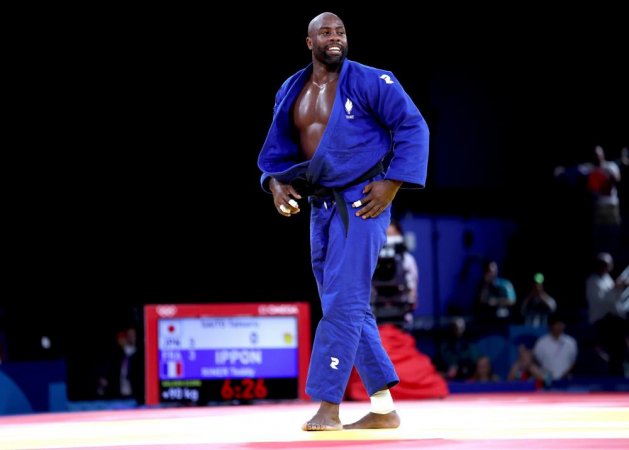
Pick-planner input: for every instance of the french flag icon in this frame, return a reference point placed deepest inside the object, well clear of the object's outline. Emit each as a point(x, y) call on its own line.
point(172, 369)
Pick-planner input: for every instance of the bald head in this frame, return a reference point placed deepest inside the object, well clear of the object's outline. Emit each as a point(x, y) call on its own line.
point(327, 40)
point(318, 21)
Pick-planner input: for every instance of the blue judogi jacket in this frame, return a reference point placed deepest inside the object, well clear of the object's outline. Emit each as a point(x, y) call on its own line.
point(373, 119)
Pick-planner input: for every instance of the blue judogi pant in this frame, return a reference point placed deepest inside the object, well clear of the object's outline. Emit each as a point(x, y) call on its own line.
point(347, 335)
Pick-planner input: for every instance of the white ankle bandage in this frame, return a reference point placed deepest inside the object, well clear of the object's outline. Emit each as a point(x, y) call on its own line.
point(382, 402)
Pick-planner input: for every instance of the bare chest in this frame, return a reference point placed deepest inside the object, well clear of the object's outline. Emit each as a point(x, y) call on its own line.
point(313, 105)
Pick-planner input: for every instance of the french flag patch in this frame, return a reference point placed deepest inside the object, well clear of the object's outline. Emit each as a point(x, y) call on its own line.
point(172, 369)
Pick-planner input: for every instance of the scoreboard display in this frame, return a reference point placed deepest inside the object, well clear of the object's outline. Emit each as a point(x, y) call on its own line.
point(221, 352)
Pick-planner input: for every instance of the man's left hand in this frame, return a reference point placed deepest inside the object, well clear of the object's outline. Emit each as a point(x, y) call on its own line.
point(379, 194)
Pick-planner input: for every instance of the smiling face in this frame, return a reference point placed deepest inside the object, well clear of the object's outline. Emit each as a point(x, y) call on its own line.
point(327, 40)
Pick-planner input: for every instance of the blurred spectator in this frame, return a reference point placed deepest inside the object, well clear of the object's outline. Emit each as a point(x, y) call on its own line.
point(608, 302)
point(495, 296)
point(396, 236)
point(122, 373)
point(395, 280)
point(538, 304)
point(556, 352)
point(484, 371)
point(524, 368)
point(600, 178)
point(603, 176)
point(457, 356)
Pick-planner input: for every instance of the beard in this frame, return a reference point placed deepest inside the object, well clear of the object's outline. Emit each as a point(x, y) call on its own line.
point(332, 61)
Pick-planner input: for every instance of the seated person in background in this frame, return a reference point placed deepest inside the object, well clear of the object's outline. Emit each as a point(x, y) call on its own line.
point(556, 352)
point(457, 356)
point(484, 371)
point(524, 368)
point(495, 296)
point(608, 302)
point(538, 304)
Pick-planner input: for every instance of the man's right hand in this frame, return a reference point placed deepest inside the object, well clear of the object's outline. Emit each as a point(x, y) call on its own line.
point(283, 203)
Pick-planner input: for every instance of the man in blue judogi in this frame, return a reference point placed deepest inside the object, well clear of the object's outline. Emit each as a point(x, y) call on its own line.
point(347, 137)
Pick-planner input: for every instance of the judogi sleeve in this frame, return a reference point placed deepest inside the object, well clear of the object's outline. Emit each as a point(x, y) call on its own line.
point(393, 107)
point(279, 96)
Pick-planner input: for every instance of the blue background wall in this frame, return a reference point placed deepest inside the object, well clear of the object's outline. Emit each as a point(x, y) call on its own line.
point(459, 260)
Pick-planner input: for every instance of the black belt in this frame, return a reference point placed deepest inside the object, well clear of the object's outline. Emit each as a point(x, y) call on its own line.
point(306, 189)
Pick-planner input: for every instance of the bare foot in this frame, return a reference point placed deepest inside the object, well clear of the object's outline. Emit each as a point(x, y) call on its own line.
point(372, 420)
point(326, 419)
